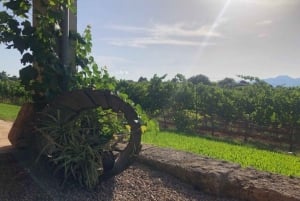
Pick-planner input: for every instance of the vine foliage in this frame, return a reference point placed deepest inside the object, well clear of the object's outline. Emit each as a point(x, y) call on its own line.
point(43, 74)
point(80, 148)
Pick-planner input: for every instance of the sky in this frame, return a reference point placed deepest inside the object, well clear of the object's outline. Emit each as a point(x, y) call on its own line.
point(216, 38)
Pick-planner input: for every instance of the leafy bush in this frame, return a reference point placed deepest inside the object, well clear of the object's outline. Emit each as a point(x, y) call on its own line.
point(12, 92)
point(186, 120)
point(77, 148)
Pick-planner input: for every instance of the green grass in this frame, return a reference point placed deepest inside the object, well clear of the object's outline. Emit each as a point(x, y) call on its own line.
point(8, 112)
point(245, 156)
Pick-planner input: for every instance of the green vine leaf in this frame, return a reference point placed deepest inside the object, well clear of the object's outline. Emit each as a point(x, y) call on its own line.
point(27, 74)
point(27, 58)
point(28, 29)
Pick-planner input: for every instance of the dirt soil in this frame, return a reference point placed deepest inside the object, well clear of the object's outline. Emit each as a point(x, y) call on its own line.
point(21, 180)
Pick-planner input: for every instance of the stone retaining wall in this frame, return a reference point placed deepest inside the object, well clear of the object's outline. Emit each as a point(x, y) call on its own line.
point(222, 178)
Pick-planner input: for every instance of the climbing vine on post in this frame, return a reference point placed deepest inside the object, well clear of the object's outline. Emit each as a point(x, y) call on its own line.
point(43, 74)
point(82, 146)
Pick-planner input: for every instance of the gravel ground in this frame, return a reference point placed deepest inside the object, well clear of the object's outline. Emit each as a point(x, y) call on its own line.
point(16, 183)
point(19, 182)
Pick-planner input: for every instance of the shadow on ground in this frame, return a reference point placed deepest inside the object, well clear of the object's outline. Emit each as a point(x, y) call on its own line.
point(22, 179)
point(16, 182)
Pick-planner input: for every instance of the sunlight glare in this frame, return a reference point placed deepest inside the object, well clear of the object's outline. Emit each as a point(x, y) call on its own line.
point(206, 39)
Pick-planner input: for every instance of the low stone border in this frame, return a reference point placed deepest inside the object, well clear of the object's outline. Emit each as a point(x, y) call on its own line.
point(222, 178)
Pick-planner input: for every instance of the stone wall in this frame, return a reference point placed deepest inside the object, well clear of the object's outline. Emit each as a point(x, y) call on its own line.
point(222, 178)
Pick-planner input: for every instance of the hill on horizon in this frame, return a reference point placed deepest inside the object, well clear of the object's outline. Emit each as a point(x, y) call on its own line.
point(283, 80)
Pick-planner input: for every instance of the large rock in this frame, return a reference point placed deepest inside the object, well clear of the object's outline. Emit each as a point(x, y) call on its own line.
point(222, 178)
point(21, 132)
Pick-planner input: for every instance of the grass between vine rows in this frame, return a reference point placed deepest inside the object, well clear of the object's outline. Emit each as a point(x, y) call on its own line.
point(8, 112)
point(246, 156)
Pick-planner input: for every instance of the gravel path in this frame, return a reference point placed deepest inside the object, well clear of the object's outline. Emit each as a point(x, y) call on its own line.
point(4, 129)
point(138, 182)
point(21, 181)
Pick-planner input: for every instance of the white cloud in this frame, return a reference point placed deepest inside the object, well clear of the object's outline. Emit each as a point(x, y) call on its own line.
point(121, 72)
point(178, 34)
point(262, 35)
point(271, 2)
point(264, 22)
point(178, 29)
point(183, 31)
point(116, 66)
point(128, 28)
point(107, 60)
point(143, 42)
point(110, 60)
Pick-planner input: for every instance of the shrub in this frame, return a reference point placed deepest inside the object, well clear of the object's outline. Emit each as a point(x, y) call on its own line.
point(77, 148)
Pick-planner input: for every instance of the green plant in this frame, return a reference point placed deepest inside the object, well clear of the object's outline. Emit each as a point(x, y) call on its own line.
point(44, 74)
point(11, 91)
point(76, 148)
point(185, 120)
point(89, 75)
point(247, 156)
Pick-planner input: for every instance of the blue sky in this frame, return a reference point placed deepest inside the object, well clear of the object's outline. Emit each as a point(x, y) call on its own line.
point(217, 38)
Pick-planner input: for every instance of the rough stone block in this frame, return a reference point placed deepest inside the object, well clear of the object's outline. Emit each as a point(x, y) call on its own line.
point(222, 178)
point(22, 129)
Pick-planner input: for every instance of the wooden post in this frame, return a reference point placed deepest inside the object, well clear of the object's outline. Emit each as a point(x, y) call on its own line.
point(68, 47)
point(65, 47)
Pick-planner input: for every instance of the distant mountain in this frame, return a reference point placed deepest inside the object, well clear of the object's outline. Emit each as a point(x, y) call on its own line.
point(283, 80)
